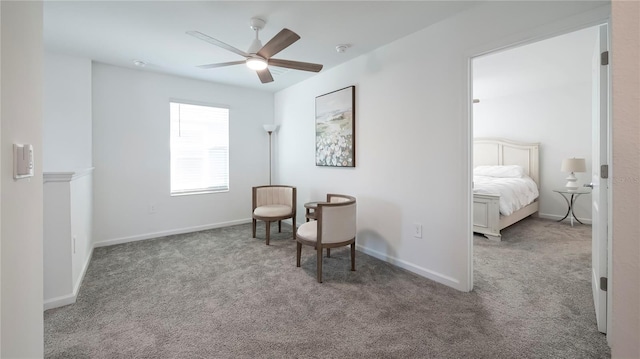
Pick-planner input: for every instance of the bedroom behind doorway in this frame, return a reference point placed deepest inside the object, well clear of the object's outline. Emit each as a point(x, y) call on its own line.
point(541, 93)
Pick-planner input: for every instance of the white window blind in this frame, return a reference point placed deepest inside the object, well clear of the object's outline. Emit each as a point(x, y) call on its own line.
point(199, 148)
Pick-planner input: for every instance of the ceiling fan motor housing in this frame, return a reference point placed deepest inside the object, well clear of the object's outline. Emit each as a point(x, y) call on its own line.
point(256, 23)
point(255, 46)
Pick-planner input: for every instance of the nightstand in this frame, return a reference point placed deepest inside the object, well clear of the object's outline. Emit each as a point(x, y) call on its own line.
point(570, 197)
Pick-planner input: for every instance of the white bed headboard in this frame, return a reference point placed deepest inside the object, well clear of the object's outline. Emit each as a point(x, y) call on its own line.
point(501, 152)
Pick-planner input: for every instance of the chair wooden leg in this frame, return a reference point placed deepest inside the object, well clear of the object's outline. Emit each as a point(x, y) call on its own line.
point(298, 253)
point(295, 229)
point(279, 226)
point(353, 256)
point(328, 252)
point(268, 225)
point(254, 228)
point(319, 252)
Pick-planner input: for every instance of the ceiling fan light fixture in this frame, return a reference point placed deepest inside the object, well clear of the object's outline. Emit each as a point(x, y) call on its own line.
point(256, 63)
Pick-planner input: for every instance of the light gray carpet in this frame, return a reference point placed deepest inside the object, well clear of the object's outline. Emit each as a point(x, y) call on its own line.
point(222, 294)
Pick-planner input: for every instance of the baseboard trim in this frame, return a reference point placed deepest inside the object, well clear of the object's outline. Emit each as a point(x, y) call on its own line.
point(59, 301)
point(555, 217)
point(76, 287)
point(435, 276)
point(63, 300)
point(141, 237)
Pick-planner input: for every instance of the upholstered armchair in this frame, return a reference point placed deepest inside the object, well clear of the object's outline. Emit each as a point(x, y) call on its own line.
point(335, 226)
point(274, 203)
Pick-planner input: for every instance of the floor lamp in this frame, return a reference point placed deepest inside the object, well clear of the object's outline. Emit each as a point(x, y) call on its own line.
point(270, 129)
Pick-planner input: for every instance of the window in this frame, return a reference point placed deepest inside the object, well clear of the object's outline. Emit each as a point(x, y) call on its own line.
point(199, 148)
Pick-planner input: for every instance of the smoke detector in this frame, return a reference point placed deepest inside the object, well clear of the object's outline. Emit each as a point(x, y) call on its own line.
point(342, 48)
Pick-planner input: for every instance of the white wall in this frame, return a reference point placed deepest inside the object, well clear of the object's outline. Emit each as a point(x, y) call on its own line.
point(57, 238)
point(1, 142)
point(412, 134)
point(131, 154)
point(560, 120)
point(625, 285)
point(81, 205)
point(21, 236)
point(68, 201)
point(67, 155)
point(66, 136)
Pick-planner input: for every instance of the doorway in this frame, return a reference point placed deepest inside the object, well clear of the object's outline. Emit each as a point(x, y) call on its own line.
point(545, 92)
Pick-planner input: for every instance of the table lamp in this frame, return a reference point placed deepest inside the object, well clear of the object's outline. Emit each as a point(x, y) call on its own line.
point(573, 165)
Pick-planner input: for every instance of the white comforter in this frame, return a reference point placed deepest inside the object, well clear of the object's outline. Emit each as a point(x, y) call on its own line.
point(515, 193)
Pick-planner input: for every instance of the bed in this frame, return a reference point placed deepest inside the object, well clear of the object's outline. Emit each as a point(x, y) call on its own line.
point(487, 219)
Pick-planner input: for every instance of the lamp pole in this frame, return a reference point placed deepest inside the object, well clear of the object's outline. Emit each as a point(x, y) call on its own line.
point(270, 128)
point(269, 132)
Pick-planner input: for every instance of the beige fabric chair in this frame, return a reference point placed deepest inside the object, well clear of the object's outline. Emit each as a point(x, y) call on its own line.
point(274, 203)
point(335, 226)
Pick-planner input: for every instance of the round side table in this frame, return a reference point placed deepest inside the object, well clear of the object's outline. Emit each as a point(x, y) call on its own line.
point(570, 197)
point(311, 210)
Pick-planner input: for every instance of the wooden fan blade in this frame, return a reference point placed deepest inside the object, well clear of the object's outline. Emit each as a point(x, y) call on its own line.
point(222, 64)
point(296, 65)
point(278, 43)
point(265, 76)
point(211, 40)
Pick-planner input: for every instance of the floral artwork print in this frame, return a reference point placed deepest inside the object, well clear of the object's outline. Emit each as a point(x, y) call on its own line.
point(335, 128)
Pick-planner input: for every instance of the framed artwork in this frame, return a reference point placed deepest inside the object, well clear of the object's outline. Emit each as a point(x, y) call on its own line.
point(336, 128)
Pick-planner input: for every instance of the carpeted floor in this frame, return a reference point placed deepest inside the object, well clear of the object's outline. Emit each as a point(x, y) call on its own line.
point(222, 294)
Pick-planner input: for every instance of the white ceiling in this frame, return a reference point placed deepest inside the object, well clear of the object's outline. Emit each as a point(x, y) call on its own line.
point(118, 32)
point(558, 61)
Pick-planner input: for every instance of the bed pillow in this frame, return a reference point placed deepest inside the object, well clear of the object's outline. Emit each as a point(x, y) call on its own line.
point(511, 171)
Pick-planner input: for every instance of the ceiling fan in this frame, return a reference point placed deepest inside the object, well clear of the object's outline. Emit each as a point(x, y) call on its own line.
point(258, 57)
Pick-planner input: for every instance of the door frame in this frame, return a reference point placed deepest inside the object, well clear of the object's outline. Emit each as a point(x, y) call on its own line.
point(468, 99)
point(597, 120)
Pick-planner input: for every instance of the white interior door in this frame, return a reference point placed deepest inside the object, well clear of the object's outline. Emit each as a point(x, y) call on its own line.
point(599, 179)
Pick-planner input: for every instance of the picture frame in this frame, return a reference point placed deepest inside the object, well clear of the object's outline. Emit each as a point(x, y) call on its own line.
point(336, 128)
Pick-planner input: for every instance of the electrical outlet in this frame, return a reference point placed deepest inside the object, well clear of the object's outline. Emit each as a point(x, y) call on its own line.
point(417, 230)
point(153, 208)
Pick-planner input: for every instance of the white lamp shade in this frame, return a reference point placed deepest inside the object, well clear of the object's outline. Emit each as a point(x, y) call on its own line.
point(270, 127)
point(574, 165)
